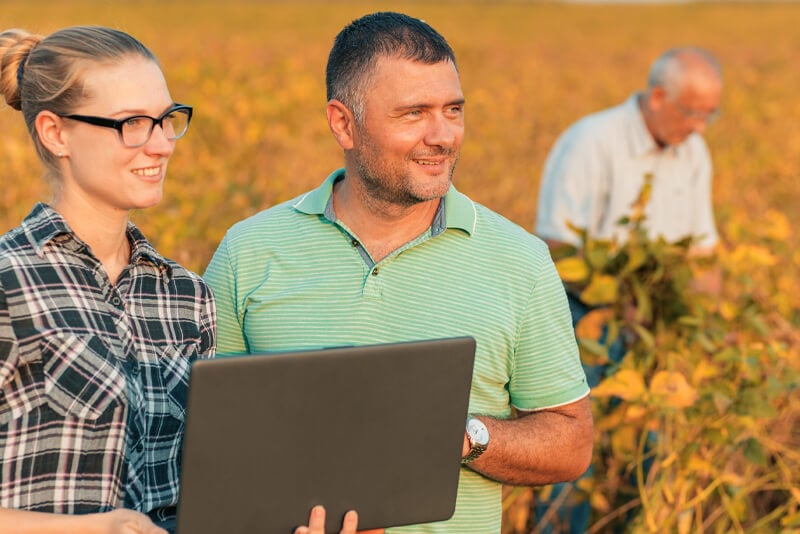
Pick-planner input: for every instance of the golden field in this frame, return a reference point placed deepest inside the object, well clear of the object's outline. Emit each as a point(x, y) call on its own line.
point(254, 72)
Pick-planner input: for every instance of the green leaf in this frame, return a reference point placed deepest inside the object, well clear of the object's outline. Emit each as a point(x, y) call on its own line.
point(636, 258)
point(791, 520)
point(594, 346)
point(644, 335)
point(754, 453)
point(722, 402)
point(690, 320)
point(598, 253)
point(644, 305)
point(751, 403)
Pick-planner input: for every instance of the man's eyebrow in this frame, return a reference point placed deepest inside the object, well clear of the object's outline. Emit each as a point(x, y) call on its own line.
point(457, 102)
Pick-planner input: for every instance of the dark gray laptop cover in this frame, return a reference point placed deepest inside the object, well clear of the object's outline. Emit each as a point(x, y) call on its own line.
point(376, 428)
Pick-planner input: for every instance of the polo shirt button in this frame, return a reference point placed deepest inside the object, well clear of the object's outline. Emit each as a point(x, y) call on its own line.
point(375, 271)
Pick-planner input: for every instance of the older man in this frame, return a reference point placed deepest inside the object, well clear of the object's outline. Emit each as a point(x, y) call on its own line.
point(597, 167)
point(387, 250)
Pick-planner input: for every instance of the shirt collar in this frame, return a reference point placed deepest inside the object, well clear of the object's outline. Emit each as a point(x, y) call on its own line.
point(45, 225)
point(457, 210)
point(640, 139)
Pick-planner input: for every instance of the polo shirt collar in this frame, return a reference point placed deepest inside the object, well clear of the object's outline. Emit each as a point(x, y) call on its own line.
point(457, 211)
point(44, 225)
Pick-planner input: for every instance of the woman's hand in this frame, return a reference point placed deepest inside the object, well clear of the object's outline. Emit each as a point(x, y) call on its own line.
point(120, 521)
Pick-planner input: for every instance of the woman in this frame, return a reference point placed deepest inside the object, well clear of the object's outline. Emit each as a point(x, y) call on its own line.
point(97, 330)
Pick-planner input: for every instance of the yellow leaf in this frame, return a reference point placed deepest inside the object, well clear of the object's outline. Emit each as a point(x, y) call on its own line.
point(602, 289)
point(625, 383)
point(703, 370)
point(624, 442)
point(591, 325)
point(572, 269)
point(672, 388)
point(728, 310)
point(699, 465)
point(635, 412)
point(776, 226)
point(599, 502)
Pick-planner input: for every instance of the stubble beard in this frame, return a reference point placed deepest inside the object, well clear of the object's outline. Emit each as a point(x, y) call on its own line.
point(393, 186)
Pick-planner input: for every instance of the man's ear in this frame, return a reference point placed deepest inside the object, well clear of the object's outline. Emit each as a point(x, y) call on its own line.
point(50, 129)
point(341, 122)
point(656, 97)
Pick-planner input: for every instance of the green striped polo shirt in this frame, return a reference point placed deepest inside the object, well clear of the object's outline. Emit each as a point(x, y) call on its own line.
point(293, 277)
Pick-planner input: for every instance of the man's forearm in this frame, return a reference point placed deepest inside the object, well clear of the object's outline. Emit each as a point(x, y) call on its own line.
point(539, 448)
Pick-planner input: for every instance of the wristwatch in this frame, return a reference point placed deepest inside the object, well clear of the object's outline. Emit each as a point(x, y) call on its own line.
point(478, 438)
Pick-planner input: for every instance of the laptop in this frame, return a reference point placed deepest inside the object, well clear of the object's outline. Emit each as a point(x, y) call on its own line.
point(377, 429)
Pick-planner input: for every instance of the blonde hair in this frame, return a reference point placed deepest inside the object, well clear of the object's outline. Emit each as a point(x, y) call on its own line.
point(47, 73)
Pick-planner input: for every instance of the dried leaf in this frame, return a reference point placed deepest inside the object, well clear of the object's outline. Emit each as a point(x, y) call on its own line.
point(672, 389)
point(626, 384)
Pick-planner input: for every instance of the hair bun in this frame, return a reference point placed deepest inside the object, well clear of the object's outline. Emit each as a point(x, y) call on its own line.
point(15, 47)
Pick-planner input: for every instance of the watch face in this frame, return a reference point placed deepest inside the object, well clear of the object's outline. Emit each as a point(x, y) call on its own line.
point(478, 431)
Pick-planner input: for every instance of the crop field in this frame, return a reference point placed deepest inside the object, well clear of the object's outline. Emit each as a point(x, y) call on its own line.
point(254, 72)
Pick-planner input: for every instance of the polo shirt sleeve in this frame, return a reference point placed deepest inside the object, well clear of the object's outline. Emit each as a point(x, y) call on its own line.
point(704, 225)
point(221, 276)
point(571, 186)
point(547, 370)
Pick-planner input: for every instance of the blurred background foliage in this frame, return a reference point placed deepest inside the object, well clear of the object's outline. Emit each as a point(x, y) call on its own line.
point(254, 70)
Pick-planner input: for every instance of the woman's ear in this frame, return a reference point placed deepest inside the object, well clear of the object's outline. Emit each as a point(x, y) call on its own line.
point(50, 129)
point(341, 122)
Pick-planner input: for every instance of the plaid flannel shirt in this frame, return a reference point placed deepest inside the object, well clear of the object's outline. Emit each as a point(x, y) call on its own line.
point(94, 375)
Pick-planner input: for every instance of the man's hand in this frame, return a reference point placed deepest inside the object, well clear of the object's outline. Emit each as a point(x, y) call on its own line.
point(316, 523)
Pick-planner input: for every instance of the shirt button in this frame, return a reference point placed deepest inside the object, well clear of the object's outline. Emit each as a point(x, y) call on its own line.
point(375, 271)
point(139, 447)
point(354, 243)
point(116, 301)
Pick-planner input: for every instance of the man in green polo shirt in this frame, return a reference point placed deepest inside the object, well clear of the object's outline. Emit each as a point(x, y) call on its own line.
point(387, 250)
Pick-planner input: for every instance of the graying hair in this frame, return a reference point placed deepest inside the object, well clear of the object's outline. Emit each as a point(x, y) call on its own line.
point(668, 71)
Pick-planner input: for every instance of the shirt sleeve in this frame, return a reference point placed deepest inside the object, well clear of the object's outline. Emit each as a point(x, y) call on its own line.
point(547, 368)
point(221, 276)
point(571, 187)
point(8, 343)
point(208, 324)
point(704, 226)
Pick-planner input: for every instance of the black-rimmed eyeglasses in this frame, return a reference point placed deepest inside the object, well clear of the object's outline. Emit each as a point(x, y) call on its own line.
point(135, 131)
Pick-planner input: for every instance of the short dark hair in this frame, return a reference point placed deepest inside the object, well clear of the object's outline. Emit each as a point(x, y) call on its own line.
point(385, 34)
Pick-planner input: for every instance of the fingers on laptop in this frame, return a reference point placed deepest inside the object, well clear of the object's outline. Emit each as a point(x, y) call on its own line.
point(316, 523)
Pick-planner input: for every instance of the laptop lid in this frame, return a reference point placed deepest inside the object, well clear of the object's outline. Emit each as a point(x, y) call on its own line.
point(376, 428)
